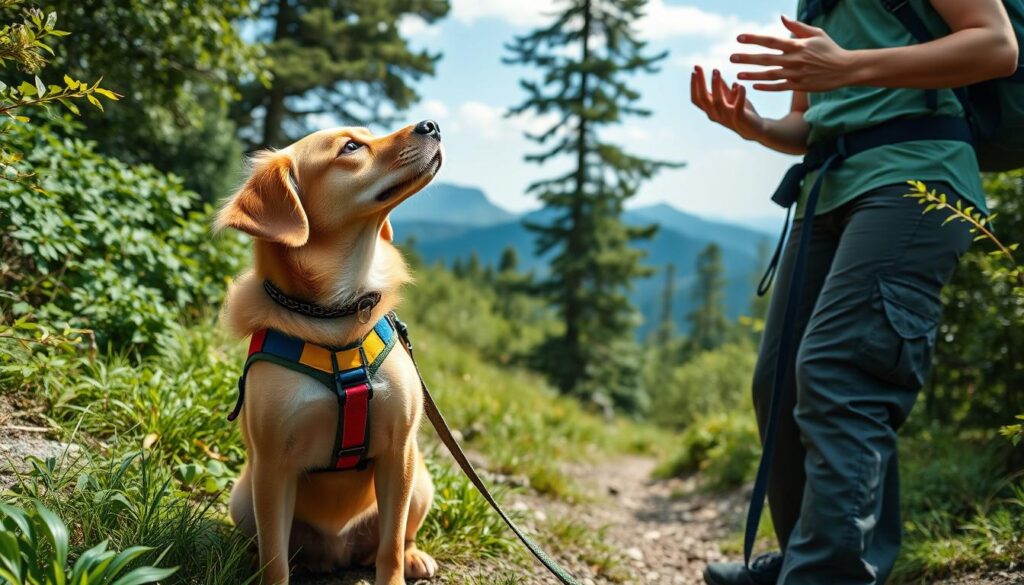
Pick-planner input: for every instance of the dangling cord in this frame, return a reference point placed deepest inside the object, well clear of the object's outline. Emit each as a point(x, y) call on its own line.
point(773, 266)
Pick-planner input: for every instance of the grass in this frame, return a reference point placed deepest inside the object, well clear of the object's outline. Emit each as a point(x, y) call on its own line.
point(571, 537)
point(157, 456)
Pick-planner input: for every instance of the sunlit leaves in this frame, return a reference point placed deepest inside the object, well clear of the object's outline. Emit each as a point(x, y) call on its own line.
point(22, 44)
point(1003, 267)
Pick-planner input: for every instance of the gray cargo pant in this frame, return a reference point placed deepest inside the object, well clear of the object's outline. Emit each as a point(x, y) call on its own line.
point(866, 328)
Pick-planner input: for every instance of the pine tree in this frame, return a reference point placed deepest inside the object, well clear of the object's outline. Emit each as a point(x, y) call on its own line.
point(708, 324)
point(339, 57)
point(509, 260)
point(586, 55)
point(666, 327)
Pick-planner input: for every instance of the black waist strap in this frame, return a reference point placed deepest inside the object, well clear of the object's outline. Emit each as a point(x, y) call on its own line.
point(825, 157)
point(831, 155)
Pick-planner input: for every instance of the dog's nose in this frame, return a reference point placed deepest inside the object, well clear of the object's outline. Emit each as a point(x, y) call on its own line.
point(428, 128)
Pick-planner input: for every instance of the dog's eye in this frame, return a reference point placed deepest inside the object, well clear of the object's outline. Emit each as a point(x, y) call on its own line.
point(350, 147)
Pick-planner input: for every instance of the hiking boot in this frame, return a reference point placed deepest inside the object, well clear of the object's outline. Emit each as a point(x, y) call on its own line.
point(764, 570)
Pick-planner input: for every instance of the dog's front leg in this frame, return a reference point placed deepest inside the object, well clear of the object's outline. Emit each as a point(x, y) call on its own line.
point(273, 497)
point(393, 483)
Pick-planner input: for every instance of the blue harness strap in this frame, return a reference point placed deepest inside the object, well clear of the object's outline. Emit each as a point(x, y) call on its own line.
point(823, 157)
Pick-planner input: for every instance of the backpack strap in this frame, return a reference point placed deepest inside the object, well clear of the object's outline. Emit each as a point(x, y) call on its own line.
point(815, 8)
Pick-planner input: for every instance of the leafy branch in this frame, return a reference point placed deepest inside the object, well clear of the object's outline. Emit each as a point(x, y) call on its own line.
point(25, 45)
point(22, 42)
point(28, 333)
point(982, 227)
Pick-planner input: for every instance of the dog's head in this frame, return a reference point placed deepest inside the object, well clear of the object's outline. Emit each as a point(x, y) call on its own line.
point(330, 179)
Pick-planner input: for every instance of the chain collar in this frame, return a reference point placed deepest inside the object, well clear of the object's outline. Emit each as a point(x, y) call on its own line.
point(361, 307)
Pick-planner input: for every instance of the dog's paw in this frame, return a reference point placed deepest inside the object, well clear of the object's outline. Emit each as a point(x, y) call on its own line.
point(418, 564)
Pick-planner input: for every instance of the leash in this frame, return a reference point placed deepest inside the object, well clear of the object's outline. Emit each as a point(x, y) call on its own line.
point(822, 157)
point(445, 434)
point(786, 340)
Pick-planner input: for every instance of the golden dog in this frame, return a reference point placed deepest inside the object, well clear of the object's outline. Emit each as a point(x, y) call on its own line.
point(318, 213)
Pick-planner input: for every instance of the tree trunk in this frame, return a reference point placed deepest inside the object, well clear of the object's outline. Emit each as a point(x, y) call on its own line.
point(273, 120)
point(575, 244)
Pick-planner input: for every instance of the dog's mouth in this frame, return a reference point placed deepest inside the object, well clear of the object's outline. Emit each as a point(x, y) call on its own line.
point(410, 186)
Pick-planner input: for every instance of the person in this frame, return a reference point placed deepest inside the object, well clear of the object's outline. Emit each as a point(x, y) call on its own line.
point(870, 305)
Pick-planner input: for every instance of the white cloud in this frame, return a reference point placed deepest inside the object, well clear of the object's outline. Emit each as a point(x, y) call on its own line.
point(627, 134)
point(716, 55)
point(660, 21)
point(435, 109)
point(663, 21)
point(491, 124)
point(522, 13)
point(415, 27)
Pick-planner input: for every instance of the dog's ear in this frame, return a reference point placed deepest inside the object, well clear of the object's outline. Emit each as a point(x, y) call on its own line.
point(267, 206)
point(386, 231)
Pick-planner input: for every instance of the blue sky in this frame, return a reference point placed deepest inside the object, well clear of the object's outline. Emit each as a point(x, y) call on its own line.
point(725, 176)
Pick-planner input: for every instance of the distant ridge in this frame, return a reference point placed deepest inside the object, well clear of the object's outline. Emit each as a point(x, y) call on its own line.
point(454, 204)
point(450, 222)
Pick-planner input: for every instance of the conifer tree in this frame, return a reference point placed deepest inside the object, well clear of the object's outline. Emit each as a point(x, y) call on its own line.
point(340, 57)
point(586, 55)
point(708, 323)
point(666, 327)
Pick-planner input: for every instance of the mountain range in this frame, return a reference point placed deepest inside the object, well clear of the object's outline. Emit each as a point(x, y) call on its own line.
point(447, 222)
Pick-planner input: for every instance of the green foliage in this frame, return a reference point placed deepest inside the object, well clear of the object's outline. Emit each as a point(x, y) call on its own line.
point(979, 366)
point(497, 319)
point(22, 44)
point(34, 551)
point(708, 323)
point(962, 513)
point(344, 58)
point(593, 264)
point(119, 249)
point(724, 448)
point(710, 382)
point(130, 500)
point(178, 63)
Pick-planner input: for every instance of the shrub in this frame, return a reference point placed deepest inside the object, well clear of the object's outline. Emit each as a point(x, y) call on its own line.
point(503, 327)
point(711, 383)
point(124, 250)
point(724, 448)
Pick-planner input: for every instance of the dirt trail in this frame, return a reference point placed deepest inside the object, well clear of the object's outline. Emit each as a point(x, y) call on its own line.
point(659, 536)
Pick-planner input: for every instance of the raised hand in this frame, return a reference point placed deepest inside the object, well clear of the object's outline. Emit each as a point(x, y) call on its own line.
point(811, 61)
point(726, 104)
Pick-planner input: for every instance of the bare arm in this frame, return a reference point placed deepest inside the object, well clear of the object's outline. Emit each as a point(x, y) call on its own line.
point(981, 46)
point(728, 105)
point(789, 133)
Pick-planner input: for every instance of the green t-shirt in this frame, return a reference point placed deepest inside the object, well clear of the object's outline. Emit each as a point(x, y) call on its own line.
point(866, 24)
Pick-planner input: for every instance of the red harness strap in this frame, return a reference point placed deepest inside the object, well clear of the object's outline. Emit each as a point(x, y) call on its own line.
point(355, 404)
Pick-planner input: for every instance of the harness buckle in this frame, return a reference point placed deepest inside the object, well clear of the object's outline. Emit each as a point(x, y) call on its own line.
point(350, 451)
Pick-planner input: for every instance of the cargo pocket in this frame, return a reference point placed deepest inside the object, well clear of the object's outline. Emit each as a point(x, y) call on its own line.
point(900, 340)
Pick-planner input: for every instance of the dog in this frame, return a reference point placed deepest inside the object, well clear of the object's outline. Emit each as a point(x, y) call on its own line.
point(318, 214)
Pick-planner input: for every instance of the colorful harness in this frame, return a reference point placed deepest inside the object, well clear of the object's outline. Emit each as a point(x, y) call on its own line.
point(347, 371)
